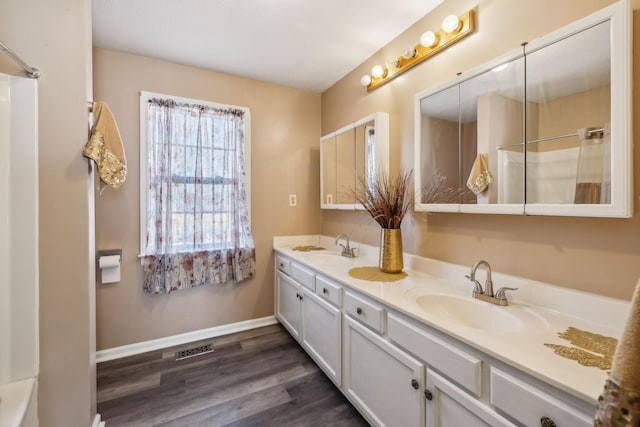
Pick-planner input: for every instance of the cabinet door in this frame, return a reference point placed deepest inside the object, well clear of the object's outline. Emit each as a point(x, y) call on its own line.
point(385, 383)
point(321, 334)
point(448, 405)
point(288, 303)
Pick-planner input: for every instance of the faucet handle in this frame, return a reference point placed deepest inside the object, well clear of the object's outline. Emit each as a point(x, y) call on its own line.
point(500, 294)
point(477, 287)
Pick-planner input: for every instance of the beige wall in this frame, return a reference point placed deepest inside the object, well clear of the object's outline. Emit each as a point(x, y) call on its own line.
point(285, 130)
point(55, 37)
point(594, 255)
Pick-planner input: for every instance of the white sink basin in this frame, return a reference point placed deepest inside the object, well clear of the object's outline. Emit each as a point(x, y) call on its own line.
point(481, 315)
point(328, 258)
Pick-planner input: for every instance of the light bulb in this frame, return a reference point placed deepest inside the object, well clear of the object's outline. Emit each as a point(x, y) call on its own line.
point(365, 80)
point(409, 52)
point(377, 71)
point(428, 39)
point(451, 24)
point(392, 62)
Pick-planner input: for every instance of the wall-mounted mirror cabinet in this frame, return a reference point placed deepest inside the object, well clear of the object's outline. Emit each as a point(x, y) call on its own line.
point(543, 130)
point(354, 152)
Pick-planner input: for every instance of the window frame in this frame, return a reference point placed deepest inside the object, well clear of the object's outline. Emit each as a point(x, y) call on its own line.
point(145, 96)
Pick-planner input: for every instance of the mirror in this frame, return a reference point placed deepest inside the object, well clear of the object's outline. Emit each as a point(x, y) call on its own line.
point(329, 168)
point(535, 131)
point(357, 151)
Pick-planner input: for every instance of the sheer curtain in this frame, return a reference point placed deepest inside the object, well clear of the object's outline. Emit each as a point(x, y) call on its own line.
point(198, 229)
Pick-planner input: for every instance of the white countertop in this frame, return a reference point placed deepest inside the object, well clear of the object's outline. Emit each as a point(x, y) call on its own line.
point(547, 310)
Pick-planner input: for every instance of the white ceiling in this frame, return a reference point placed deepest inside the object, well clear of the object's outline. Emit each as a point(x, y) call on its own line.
point(306, 44)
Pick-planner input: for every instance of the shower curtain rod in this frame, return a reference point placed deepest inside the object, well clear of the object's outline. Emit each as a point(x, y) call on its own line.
point(31, 71)
point(551, 138)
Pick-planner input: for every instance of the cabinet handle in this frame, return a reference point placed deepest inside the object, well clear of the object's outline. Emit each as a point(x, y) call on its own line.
point(359, 310)
point(428, 395)
point(414, 384)
point(547, 422)
point(325, 291)
point(297, 295)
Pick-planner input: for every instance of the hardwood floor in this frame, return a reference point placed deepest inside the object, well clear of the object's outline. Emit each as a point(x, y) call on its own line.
point(259, 377)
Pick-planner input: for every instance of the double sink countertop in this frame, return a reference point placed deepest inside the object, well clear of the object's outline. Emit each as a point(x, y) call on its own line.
point(437, 294)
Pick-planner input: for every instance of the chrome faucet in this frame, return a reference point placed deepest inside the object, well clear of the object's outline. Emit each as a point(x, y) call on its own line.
point(500, 297)
point(347, 251)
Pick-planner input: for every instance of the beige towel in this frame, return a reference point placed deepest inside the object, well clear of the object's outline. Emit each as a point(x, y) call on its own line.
point(480, 177)
point(619, 404)
point(105, 147)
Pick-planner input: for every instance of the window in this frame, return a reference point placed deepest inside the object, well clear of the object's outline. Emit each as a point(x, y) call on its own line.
point(194, 193)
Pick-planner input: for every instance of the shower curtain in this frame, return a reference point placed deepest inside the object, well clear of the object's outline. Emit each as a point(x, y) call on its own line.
point(593, 177)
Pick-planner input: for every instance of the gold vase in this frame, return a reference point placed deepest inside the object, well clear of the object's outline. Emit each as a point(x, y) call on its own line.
point(391, 250)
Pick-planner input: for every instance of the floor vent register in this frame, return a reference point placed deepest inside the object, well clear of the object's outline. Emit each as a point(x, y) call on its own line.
point(194, 351)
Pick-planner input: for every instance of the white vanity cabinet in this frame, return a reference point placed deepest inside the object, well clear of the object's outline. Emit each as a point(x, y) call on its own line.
point(321, 334)
point(289, 303)
point(400, 371)
point(312, 320)
point(448, 405)
point(382, 381)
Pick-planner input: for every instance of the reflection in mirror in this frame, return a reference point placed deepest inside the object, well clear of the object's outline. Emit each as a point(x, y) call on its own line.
point(568, 120)
point(366, 156)
point(359, 151)
point(492, 130)
point(328, 149)
point(439, 140)
point(345, 164)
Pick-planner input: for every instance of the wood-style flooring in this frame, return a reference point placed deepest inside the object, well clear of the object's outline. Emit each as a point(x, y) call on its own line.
point(259, 377)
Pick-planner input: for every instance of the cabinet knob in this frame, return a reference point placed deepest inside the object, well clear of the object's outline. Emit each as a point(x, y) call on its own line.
point(428, 395)
point(359, 310)
point(325, 291)
point(414, 384)
point(547, 422)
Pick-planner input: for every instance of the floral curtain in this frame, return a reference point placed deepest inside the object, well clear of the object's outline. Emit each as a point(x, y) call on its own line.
point(197, 217)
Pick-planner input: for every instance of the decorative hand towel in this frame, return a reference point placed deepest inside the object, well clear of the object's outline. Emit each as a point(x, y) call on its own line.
point(619, 403)
point(480, 177)
point(105, 147)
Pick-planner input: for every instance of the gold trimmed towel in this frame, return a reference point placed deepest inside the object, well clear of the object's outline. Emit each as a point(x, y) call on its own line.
point(480, 177)
point(105, 147)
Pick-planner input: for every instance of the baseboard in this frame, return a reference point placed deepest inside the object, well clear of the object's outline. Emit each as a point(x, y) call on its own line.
point(187, 337)
point(97, 422)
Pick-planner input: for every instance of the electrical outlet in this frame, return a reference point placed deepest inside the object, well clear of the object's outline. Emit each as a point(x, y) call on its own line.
point(293, 201)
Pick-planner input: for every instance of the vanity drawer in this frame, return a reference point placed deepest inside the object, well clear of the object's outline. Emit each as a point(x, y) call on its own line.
point(528, 404)
point(366, 311)
point(304, 276)
point(283, 264)
point(454, 363)
point(329, 291)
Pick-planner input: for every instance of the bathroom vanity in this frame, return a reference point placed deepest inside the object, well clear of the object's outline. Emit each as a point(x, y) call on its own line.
point(420, 351)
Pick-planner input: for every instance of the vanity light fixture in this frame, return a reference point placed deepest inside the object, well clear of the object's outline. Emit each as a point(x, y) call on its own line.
point(454, 29)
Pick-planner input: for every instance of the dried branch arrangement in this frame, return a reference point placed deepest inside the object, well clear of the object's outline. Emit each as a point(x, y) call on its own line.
point(387, 200)
point(436, 192)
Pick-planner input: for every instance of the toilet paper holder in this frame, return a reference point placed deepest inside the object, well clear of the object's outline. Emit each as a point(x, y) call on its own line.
point(108, 261)
point(108, 252)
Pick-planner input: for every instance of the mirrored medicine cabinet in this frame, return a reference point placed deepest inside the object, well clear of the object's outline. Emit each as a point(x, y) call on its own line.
point(543, 130)
point(359, 151)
